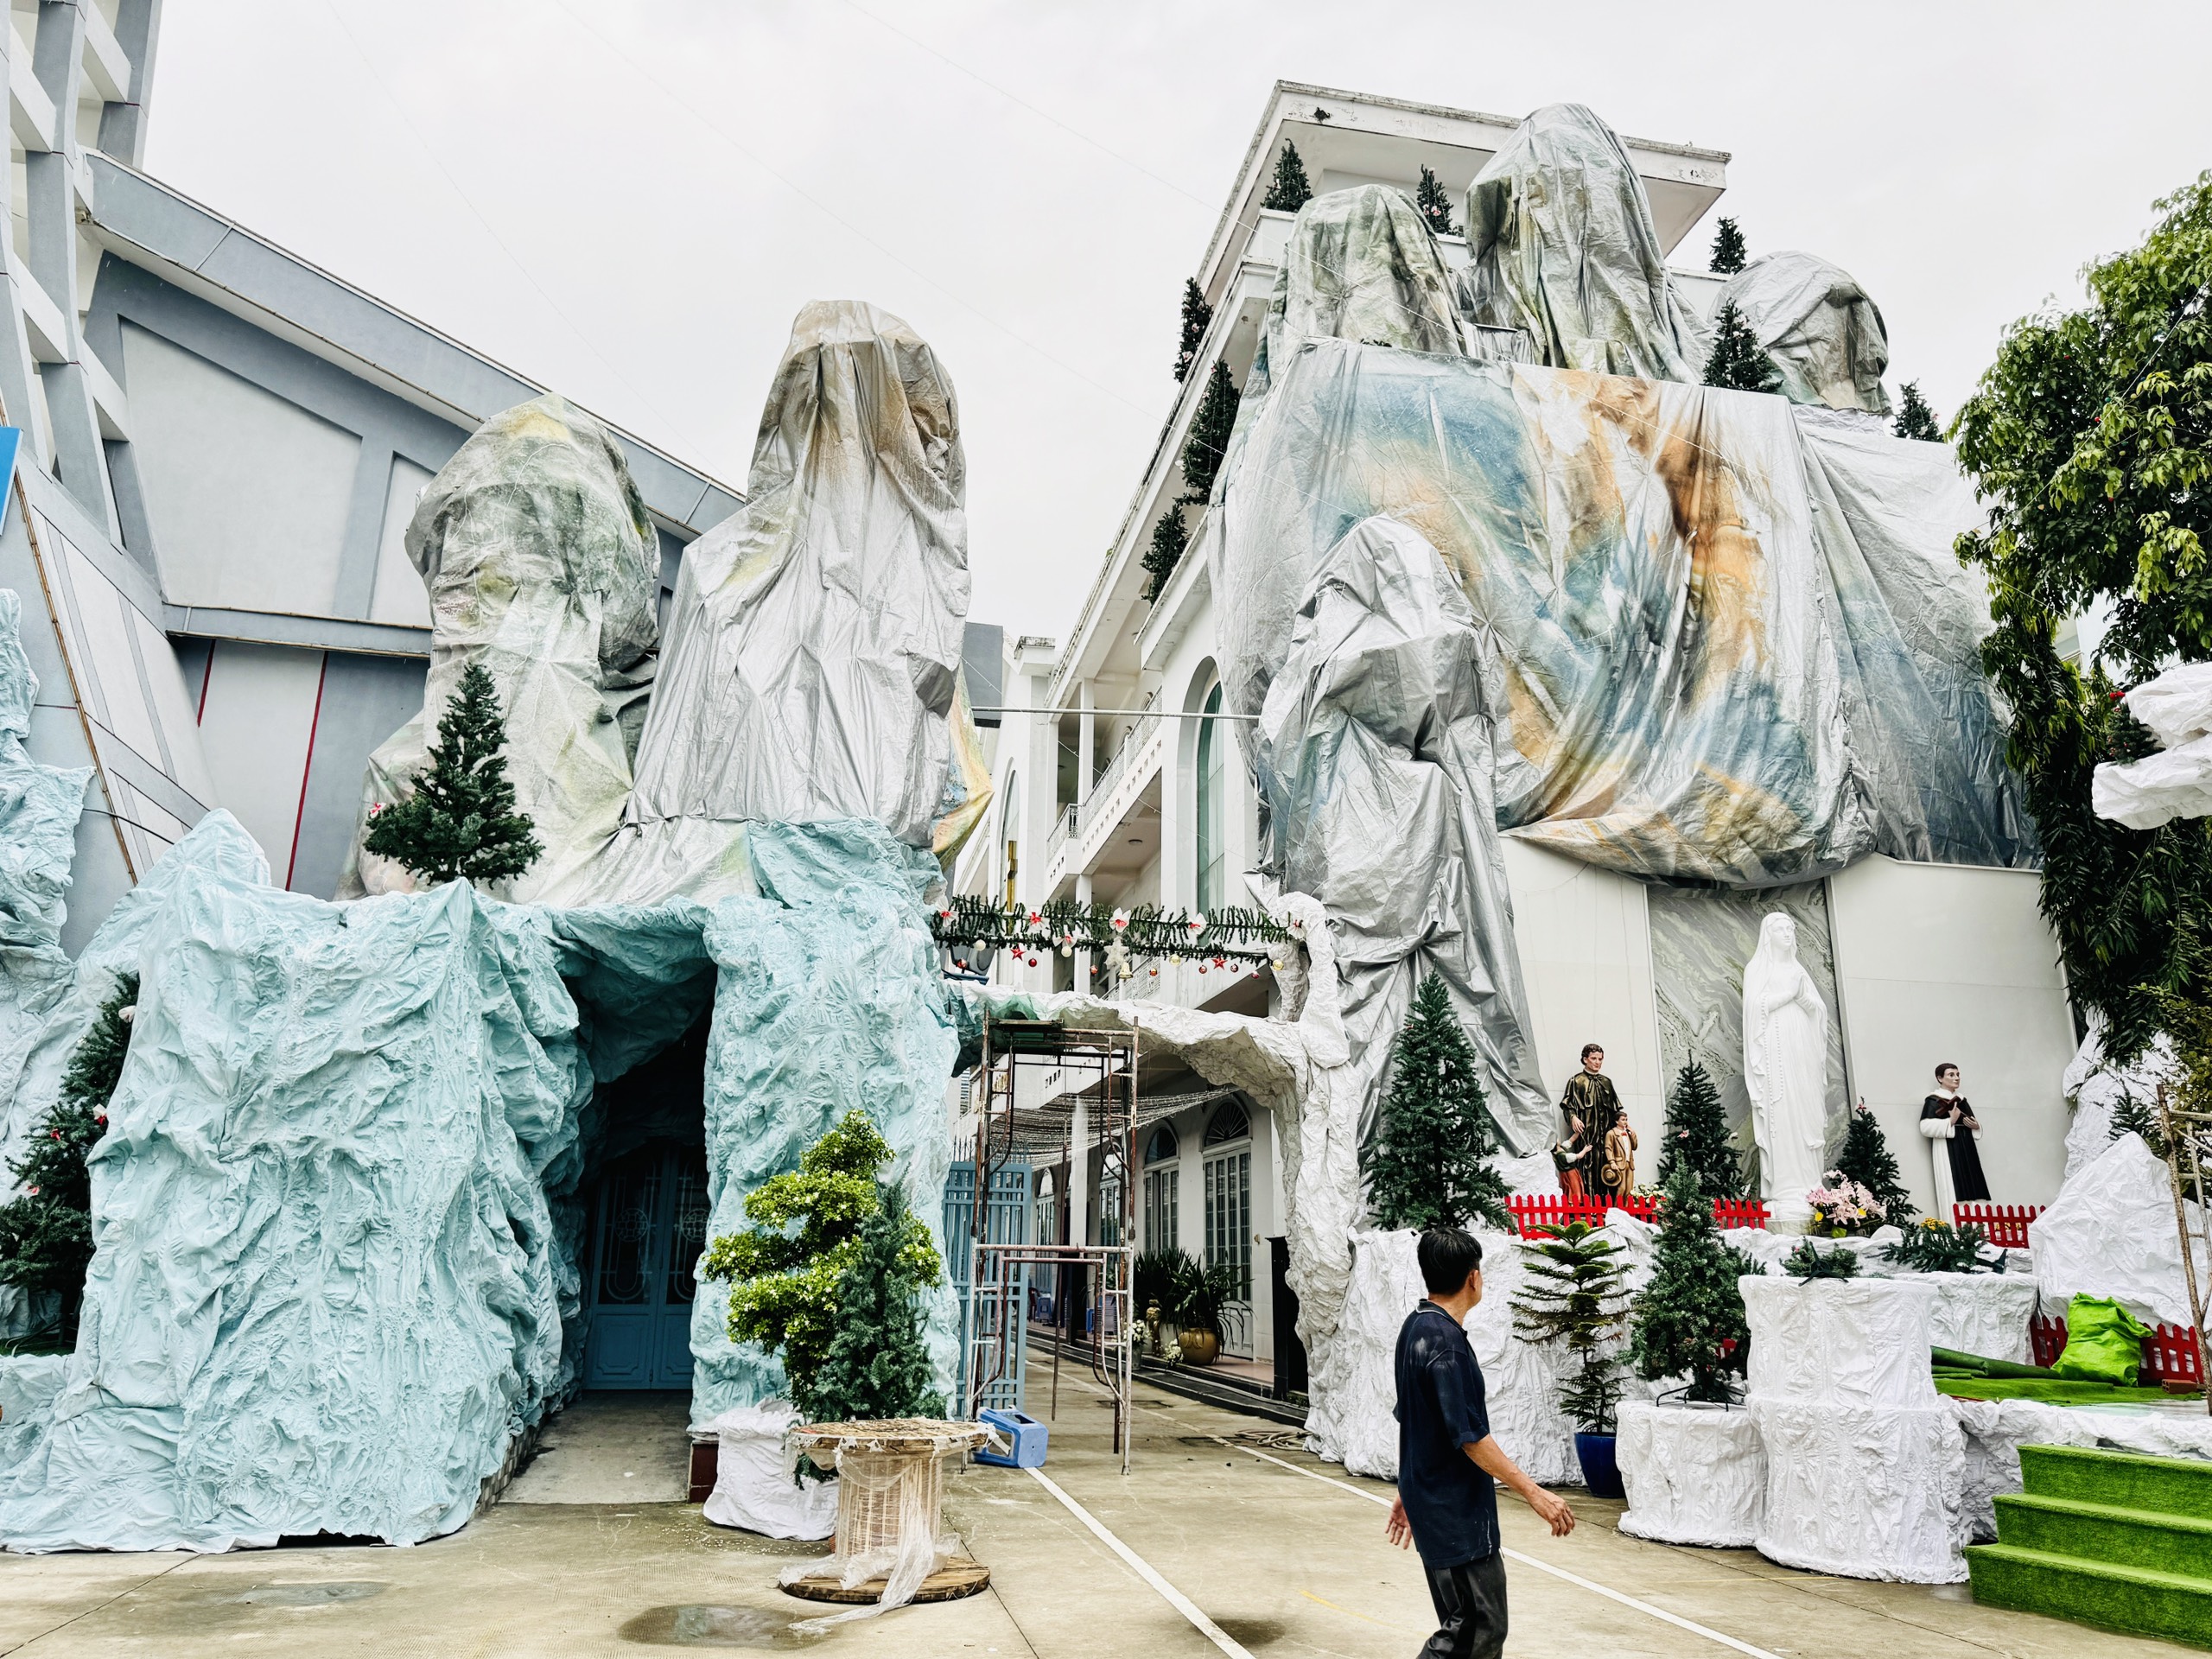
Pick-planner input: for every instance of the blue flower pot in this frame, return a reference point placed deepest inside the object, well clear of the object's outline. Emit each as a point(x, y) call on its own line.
point(1601, 1473)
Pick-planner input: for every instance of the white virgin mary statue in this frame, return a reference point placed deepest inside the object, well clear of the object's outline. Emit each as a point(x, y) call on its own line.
point(1786, 1072)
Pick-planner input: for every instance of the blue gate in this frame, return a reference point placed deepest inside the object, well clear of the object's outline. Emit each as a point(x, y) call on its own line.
point(1007, 1222)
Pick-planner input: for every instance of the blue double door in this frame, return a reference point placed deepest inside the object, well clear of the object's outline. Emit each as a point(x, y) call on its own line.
point(649, 1226)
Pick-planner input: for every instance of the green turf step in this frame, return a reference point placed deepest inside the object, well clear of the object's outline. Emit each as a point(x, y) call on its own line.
point(2132, 1598)
point(2101, 1532)
point(2126, 1480)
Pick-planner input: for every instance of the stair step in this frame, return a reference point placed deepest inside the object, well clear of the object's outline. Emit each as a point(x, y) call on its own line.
point(2132, 1599)
point(2103, 1532)
point(2126, 1480)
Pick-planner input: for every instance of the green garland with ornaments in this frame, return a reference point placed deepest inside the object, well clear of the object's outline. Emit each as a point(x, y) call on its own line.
point(1127, 941)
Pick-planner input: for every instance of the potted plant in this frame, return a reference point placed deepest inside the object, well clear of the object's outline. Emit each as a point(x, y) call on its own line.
point(1572, 1297)
point(1201, 1292)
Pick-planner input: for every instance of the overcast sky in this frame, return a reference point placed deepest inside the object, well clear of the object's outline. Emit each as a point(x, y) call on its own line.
point(628, 200)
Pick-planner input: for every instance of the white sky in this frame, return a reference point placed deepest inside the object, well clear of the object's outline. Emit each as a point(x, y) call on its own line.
point(629, 200)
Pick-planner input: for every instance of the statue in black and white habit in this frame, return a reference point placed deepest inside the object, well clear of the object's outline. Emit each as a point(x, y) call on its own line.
point(1952, 1129)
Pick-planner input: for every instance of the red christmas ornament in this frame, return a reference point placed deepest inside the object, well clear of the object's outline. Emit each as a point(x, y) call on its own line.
point(32, 1190)
point(56, 1133)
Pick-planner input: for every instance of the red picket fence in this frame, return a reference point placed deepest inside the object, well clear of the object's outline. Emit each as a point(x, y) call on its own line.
point(2004, 1223)
point(1535, 1215)
point(2169, 1352)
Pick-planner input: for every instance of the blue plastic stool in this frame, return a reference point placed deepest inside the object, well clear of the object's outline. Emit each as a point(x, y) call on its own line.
point(1025, 1433)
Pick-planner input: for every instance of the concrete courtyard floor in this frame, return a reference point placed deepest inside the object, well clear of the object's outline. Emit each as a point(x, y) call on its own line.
point(1280, 1563)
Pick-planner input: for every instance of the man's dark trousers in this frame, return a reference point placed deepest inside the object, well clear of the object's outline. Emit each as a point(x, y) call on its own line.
point(1470, 1609)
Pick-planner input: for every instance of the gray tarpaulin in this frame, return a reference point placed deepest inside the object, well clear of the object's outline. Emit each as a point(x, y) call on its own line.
point(1817, 324)
point(1565, 250)
point(543, 566)
point(815, 636)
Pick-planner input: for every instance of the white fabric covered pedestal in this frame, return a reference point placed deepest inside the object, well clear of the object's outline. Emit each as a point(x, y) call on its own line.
point(2111, 1233)
point(756, 1486)
point(1694, 1475)
point(1984, 1313)
point(1865, 1459)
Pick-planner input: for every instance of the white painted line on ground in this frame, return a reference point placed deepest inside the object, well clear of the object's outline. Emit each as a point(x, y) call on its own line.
point(1676, 1619)
point(1175, 1599)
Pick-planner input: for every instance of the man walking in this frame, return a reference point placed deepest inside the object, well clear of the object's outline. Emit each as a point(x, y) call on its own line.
point(1448, 1464)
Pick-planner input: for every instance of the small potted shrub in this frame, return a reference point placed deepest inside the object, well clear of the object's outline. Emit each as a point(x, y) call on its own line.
point(1201, 1292)
point(1844, 1209)
point(1573, 1298)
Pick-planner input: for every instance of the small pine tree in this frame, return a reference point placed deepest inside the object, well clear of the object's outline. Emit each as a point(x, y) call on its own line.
point(1727, 249)
point(1429, 1164)
point(1809, 1261)
point(1866, 1159)
point(1198, 317)
point(1289, 190)
point(1915, 419)
point(787, 1271)
point(1572, 1294)
point(1692, 1309)
point(1211, 424)
point(1697, 1135)
point(877, 1365)
point(1736, 360)
point(461, 823)
point(46, 1233)
point(1433, 203)
point(1169, 537)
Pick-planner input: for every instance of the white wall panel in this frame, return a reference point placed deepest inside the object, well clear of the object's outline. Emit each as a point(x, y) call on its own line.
point(248, 493)
point(1585, 957)
point(400, 597)
point(1937, 962)
point(175, 709)
point(256, 725)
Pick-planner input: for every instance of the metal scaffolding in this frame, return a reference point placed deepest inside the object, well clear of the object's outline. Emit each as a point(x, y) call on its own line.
point(1044, 1087)
point(2188, 1132)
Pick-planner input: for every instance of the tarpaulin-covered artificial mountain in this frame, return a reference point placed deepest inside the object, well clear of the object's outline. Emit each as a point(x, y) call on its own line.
point(337, 1209)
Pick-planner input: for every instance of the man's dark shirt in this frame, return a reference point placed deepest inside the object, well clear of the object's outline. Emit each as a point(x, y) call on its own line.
point(1452, 1503)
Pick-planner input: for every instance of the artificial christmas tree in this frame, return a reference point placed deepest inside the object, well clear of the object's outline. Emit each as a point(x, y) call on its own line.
point(1197, 316)
point(1434, 205)
point(1289, 191)
point(1697, 1135)
point(1429, 1165)
point(1736, 360)
point(46, 1235)
point(787, 1283)
point(1692, 1311)
point(1727, 249)
point(877, 1365)
point(460, 822)
point(1169, 537)
point(1915, 419)
point(1866, 1159)
point(1572, 1294)
point(1211, 424)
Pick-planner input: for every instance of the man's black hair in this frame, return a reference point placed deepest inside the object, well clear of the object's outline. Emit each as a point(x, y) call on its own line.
point(1447, 1255)
point(1947, 1066)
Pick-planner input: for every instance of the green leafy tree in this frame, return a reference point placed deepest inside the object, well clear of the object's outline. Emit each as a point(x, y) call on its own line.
point(1198, 317)
point(1429, 1164)
point(1915, 419)
point(1697, 1135)
point(1689, 1318)
point(1169, 538)
point(1288, 191)
point(461, 823)
point(787, 1272)
point(1727, 249)
point(1211, 424)
point(46, 1233)
point(1433, 203)
point(1867, 1160)
point(2089, 440)
point(1809, 1261)
point(1572, 1294)
point(1737, 360)
point(877, 1364)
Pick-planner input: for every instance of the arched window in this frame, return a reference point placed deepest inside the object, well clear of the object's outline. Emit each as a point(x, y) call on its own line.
point(1225, 1183)
point(1162, 1146)
point(1163, 1182)
point(1213, 843)
point(1230, 1123)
